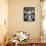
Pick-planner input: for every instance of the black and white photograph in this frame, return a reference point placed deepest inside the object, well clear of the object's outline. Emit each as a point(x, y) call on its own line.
point(29, 13)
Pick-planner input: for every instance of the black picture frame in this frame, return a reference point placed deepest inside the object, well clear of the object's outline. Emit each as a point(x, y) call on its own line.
point(29, 13)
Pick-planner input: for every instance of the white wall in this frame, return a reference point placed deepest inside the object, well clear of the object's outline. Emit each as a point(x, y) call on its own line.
point(15, 17)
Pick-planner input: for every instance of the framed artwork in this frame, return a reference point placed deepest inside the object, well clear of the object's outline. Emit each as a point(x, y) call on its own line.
point(29, 13)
